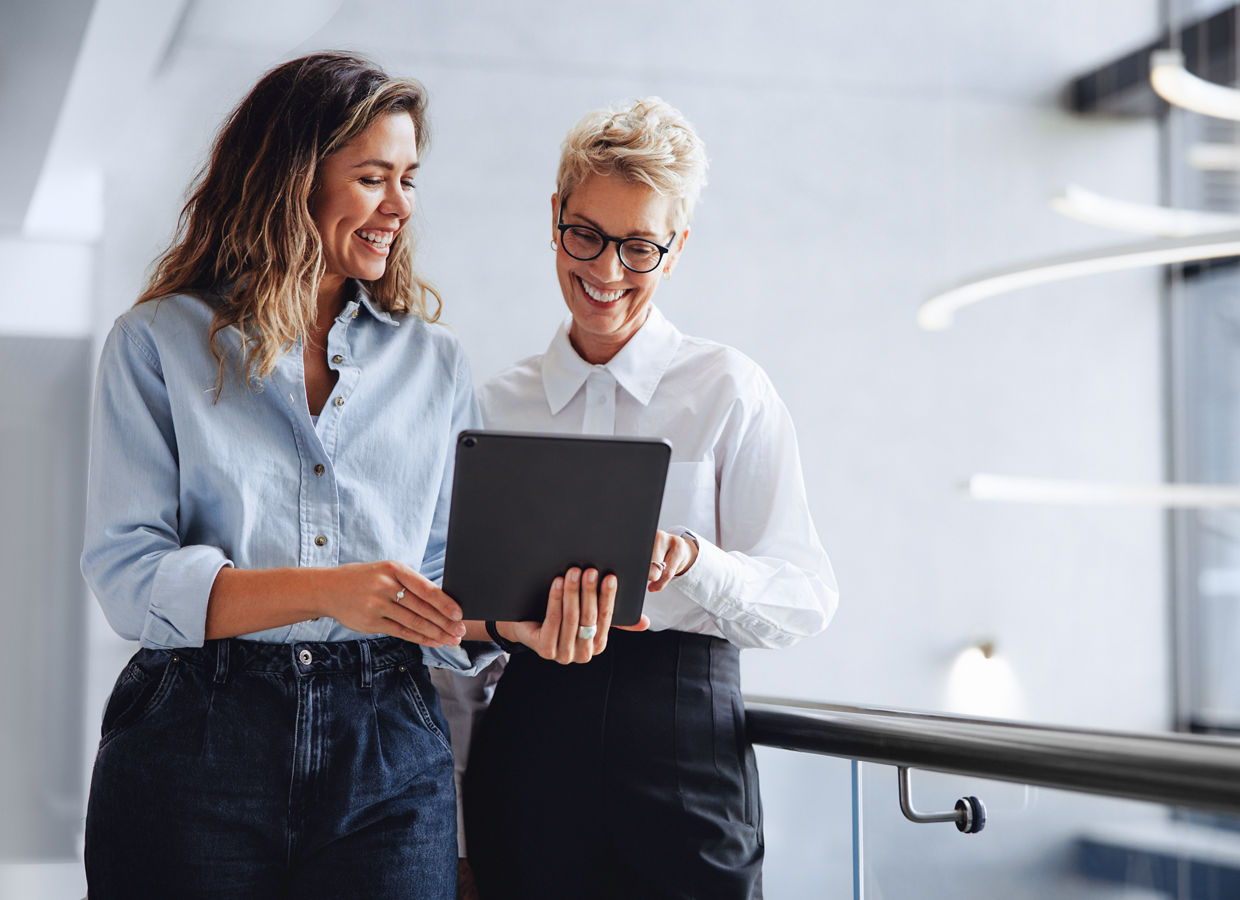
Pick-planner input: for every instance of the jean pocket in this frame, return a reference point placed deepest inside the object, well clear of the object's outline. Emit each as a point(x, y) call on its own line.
point(139, 690)
point(416, 693)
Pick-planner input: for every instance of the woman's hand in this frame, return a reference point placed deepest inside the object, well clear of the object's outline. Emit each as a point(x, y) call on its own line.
point(391, 598)
point(576, 599)
point(672, 556)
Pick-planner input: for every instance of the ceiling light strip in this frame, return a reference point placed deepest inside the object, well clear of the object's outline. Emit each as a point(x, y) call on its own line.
point(1092, 208)
point(936, 313)
point(1214, 157)
point(1010, 489)
point(1180, 87)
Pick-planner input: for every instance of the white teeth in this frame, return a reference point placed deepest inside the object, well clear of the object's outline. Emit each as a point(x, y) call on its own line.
point(378, 238)
point(601, 296)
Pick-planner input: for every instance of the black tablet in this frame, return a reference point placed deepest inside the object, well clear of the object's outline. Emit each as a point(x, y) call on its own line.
point(527, 507)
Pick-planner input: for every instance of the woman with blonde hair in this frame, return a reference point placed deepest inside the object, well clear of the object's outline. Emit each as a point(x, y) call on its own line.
point(271, 458)
point(650, 735)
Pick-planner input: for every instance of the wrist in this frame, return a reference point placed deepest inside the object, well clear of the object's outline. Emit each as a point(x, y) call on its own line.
point(506, 642)
point(691, 538)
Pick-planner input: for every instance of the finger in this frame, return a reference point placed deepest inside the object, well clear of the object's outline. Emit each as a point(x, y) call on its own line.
point(642, 624)
point(589, 615)
point(415, 583)
point(571, 618)
point(396, 628)
point(549, 632)
point(422, 608)
point(432, 622)
point(606, 609)
point(413, 620)
point(658, 575)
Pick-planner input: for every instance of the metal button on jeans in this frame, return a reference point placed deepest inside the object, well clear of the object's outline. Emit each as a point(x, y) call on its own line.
point(305, 657)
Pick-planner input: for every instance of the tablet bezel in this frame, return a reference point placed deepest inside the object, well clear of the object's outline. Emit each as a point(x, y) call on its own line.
point(528, 506)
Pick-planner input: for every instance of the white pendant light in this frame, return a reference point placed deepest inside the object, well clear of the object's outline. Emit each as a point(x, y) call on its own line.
point(937, 313)
point(1140, 218)
point(1213, 157)
point(1092, 493)
point(1178, 86)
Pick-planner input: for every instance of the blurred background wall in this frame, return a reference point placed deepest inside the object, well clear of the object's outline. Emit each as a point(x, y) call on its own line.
point(863, 155)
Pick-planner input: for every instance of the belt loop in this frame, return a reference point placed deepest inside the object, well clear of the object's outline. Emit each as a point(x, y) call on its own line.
point(221, 660)
point(366, 666)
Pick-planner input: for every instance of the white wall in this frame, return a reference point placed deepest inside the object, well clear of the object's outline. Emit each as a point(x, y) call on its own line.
point(862, 156)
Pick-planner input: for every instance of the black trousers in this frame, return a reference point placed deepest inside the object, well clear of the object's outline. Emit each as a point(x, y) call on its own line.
point(627, 777)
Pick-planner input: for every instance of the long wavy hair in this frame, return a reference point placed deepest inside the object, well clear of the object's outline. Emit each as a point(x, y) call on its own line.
point(246, 233)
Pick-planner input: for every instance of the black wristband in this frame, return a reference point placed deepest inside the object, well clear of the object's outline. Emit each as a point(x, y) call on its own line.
point(504, 644)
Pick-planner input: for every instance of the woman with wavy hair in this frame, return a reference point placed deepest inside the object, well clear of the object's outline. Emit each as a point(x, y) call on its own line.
point(271, 458)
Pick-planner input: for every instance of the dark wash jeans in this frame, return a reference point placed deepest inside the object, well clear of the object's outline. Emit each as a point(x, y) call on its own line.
point(253, 770)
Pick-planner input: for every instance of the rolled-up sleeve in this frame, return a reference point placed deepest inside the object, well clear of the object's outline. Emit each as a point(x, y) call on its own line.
point(150, 586)
point(773, 584)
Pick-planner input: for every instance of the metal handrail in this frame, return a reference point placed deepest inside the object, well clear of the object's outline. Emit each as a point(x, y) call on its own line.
point(1175, 769)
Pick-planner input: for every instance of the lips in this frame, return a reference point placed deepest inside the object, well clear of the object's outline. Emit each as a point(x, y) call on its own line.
point(380, 240)
point(600, 296)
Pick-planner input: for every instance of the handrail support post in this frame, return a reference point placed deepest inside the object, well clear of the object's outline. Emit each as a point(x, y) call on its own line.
point(969, 814)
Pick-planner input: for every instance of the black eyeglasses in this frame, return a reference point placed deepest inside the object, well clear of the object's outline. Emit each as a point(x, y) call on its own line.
point(636, 254)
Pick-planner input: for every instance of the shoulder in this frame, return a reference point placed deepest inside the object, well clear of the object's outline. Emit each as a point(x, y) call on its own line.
point(150, 327)
point(519, 378)
point(431, 341)
point(722, 368)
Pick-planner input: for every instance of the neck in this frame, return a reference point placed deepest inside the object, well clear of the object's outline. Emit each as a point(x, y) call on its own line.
point(599, 351)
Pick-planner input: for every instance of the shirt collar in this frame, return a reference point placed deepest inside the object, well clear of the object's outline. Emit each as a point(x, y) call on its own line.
point(367, 301)
point(637, 368)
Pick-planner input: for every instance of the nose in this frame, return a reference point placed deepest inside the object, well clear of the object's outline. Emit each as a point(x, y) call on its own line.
point(606, 267)
point(397, 202)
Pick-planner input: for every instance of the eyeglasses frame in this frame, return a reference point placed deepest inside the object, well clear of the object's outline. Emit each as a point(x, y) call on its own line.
point(608, 239)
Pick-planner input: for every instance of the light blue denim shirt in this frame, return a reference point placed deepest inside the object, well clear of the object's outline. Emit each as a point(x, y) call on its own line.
point(181, 485)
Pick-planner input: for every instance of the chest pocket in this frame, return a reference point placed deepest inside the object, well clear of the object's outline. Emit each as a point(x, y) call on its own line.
point(689, 498)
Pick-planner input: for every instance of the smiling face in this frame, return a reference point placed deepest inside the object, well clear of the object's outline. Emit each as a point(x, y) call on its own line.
point(608, 302)
point(363, 197)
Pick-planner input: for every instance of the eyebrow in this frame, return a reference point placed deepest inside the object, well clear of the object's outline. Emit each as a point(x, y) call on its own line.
point(644, 235)
point(384, 164)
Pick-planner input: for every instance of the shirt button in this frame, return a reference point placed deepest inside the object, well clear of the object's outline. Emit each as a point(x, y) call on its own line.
point(320, 469)
point(337, 359)
point(340, 401)
point(320, 541)
point(305, 657)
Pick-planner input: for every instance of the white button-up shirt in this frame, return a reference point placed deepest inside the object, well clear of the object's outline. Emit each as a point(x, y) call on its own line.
point(762, 578)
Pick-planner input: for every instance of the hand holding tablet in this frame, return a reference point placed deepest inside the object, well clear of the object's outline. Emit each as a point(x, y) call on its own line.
point(528, 509)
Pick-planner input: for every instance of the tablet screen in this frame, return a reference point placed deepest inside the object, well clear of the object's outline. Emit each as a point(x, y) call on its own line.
point(527, 507)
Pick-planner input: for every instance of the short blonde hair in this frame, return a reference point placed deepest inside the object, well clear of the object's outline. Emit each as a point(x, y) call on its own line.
point(648, 141)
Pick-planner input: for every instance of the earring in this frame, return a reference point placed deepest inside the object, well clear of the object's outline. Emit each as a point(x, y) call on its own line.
point(667, 274)
point(553, 247)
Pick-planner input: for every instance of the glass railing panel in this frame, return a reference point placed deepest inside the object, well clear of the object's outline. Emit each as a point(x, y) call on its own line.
point(1038, 843)
point(807, 818)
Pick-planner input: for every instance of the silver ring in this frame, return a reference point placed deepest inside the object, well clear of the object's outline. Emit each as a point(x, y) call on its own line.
point(662, 566)
point(400, 595)
point(586, 632)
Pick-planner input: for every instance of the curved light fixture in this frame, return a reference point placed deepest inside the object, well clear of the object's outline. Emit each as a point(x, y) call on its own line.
point(1092, 493)
point(1182, 88)
point(1211, 157)
point(1095, 209)
point(936, 313)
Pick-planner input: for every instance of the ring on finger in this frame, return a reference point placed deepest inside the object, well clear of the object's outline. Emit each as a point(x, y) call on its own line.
point(662, 566)
point(586, 632)
point(400, 595)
